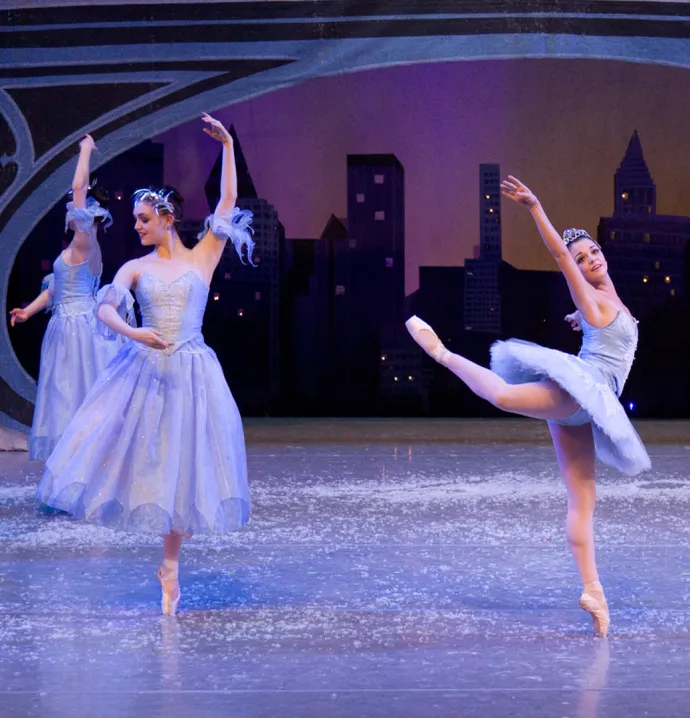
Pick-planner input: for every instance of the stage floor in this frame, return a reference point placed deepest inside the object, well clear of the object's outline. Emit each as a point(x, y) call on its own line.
point(391, 568)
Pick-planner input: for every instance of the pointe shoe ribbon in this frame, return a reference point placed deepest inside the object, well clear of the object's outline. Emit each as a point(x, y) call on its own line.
point(415, 325)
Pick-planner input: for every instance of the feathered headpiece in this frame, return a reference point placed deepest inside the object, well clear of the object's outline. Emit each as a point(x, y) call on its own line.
point(158, 198)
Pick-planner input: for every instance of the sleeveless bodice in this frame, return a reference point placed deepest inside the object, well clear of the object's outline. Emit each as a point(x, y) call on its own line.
point(611, 348)
point(74, 287)
point(176, 308)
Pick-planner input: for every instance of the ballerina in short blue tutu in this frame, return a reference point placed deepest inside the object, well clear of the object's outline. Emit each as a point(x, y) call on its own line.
point(158, 444)
point(577, 395)
point(73, 353)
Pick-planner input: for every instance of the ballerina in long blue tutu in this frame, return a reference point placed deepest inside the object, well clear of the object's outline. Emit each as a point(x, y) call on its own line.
point(72, 353)
point(577, 395)
point(158, 444)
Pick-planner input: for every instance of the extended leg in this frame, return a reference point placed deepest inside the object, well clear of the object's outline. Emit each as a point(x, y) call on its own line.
point(538, 400)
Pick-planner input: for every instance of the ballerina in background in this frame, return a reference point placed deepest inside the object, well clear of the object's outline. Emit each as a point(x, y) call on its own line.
point(72, 353)
point(158, 444)
point(577, 395)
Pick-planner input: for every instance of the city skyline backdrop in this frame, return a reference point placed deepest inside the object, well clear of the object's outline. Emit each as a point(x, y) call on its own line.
point(561, 125)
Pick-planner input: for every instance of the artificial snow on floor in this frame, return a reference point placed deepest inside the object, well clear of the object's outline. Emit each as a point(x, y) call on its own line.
point(391, 568)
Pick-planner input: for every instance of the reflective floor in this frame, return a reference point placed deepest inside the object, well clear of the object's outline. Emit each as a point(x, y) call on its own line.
point(392, 568)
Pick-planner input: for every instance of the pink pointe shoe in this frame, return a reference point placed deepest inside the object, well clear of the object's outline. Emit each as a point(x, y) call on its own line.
point(415, 326)
point(594, 602)
point(169, 602)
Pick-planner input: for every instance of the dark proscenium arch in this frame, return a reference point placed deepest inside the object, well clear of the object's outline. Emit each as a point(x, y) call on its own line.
point(150, 67)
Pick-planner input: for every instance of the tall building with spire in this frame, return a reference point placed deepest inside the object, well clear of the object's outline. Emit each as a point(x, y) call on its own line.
point(644, 249)
point(482, 292)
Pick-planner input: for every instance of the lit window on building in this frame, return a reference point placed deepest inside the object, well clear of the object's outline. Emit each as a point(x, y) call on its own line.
point(613, 236)
point(227, 275)
point(645, 279)
point(647, 238)
point(216, 296)
point(379, 179)
point(487, 196)
point(389, 262)
point(383, 357)
point(360, 199)
point(410, 378)
point(395, 378)
point(625, 195)
point(118, 195)
point(257, 296)
point(339, 290)
point(673, 292)
point(240, 312)
point(667, 279)
point(657, 265)
point(491, 211)
point(379, 216)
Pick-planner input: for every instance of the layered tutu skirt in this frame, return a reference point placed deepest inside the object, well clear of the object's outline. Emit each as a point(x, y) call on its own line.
point(616, 441)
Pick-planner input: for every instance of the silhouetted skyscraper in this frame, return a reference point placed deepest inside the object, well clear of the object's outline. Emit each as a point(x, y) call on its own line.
point(644, 250)
point(634, 188)
point(376, 226)
point(366, 274)
point(482, 292)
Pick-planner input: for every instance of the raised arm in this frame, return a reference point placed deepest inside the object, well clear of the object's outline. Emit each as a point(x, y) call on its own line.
point(226, 222)
point(84, 241)
point(582, 293)
point(80, 181)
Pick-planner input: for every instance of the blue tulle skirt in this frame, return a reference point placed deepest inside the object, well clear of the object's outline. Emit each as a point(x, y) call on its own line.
point(158, 445)
point(72, 356)
point(616, 441)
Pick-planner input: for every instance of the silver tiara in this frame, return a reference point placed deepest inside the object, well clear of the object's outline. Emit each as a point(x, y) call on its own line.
point(572, 235)
point(159, 199)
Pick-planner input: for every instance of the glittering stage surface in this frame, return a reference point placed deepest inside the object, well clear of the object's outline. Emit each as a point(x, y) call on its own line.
point(391, 568)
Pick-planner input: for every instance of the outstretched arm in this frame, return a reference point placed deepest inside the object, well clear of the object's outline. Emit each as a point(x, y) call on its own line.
point(583, 295)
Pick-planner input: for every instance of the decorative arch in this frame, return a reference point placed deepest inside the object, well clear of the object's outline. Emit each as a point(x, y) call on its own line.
point(147, 68)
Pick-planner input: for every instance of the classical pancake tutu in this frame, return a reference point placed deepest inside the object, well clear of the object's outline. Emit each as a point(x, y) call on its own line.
point(157, 445)
point(616, 441)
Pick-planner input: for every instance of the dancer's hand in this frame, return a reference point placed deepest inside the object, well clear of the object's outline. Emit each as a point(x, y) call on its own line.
point(150, 338)
point(513, 189)
point(574, 321)
point(19, 316)
point(216, 130)
point(87, 143)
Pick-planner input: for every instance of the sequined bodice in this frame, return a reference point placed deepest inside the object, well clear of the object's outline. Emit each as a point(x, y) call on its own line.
point(73, 283)
point(611, 348)
point(176, 308)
